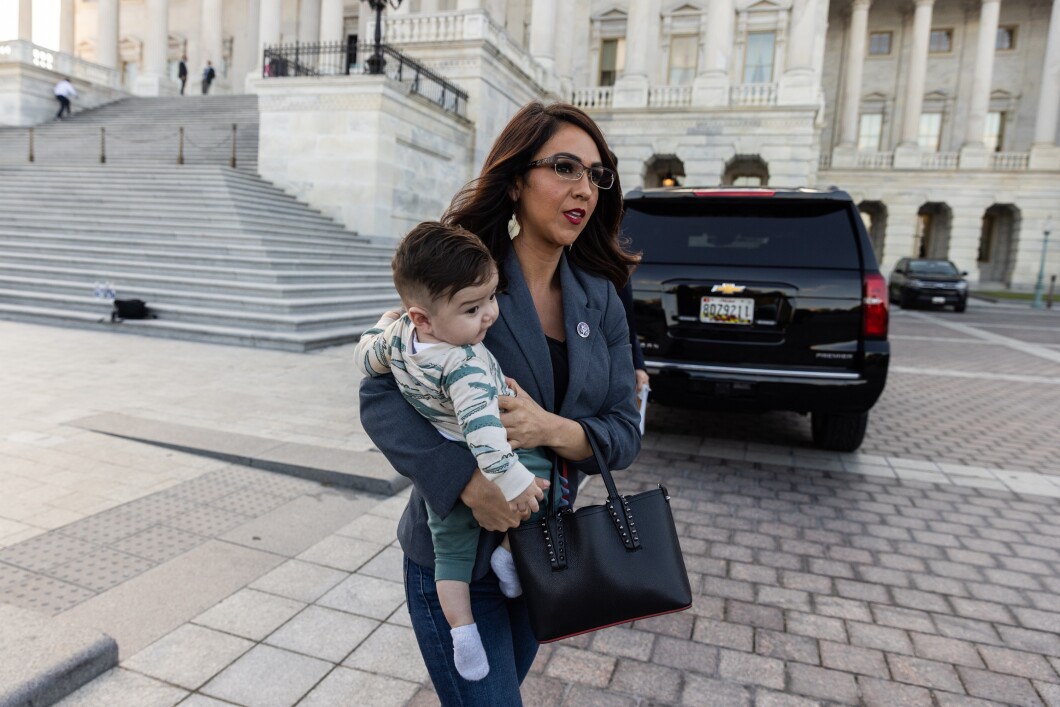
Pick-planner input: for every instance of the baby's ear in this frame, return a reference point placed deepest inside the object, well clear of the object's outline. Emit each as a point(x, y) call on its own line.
point(420, 319)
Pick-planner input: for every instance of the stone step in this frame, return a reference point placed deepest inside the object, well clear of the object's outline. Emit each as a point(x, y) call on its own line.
point(232, 242)
point(285, 341)
point(42, 661)
point(32, 241)
point(377, 282)
point(365, 298)
point(213, 221)
point(144, 227)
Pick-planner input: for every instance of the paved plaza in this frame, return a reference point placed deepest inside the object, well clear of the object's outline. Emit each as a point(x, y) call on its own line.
point(922, 570)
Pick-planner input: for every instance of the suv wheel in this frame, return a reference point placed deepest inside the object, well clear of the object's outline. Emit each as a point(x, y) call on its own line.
point(961, 306)
point(840, 432)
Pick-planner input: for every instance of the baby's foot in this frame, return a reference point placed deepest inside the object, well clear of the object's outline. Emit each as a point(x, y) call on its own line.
point(468, 653)
point(503, 565)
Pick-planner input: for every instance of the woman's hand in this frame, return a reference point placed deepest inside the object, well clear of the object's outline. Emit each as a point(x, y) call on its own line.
point(527, 423)
point(488, 505)
point(642, 378)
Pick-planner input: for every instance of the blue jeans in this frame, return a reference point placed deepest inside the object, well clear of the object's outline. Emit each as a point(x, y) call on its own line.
point(505, 629)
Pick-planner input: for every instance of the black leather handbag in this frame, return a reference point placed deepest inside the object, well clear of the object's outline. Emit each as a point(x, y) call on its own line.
point(600, 566)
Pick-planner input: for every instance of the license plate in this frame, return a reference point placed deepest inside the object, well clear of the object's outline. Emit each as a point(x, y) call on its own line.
point(938, 300)
point(727, 310)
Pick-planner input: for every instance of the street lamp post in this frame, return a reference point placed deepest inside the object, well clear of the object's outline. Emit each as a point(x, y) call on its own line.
point(376, 62)
point(1047, 227)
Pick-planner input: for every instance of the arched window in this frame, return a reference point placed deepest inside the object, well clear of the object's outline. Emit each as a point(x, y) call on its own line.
point(746, 171)
point(664, 171)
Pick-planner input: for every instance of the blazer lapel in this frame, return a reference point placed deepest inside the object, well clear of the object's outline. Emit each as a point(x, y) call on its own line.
point(582, 326)
point(518, 314)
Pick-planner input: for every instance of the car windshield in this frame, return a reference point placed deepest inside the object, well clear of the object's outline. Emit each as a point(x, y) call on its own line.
point(932, 267)
point(762, 233)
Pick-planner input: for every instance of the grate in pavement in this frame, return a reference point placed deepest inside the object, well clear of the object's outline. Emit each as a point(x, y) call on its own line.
point(159, 543)
point(46, 594)
point(108, 526)
point(208, 521)
point(101, 570)
point(249, 502)
point(46, 551)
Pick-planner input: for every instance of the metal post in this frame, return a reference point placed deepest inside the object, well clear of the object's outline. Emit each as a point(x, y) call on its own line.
point(31, 158)
point(232, 159)
point(1047, 227)
point(102, 145)
point(180, 146)
point(1052, 288)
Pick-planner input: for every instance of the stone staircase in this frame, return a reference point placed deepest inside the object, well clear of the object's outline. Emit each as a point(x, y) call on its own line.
point(218, 255)
point(144, 131)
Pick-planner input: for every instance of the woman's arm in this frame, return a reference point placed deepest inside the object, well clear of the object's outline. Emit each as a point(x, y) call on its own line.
point(616, 427)
point(443, 471)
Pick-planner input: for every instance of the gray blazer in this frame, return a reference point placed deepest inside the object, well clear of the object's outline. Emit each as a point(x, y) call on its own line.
point(600, 394)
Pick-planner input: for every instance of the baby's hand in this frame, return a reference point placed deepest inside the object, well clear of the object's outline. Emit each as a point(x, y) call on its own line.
point(528, 499)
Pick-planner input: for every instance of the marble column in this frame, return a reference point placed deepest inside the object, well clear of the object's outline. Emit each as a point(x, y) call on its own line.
point(269, 19)
point(468, 5)
point(154, 79)
point(855, 65)
point(642, 48)
point(253, 47)
point(564, 30)
point(212, 41)
point(309, 21)
point(25, 20)
point(543, 33)
point(1044, 152)
point(711, 87)
point(107, 34)
point(917, 72)
point(797, 85)
point(67, 16)
point(973, 152)
point(497, 11)
point(332, 20)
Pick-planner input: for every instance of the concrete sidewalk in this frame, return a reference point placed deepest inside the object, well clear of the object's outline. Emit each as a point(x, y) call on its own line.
point(819, 578)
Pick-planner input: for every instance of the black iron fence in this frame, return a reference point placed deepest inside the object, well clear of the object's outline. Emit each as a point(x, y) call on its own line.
point(341, 58)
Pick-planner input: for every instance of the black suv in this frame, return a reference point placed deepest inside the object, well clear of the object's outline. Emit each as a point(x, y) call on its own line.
point(760, 299)
point(928, 281)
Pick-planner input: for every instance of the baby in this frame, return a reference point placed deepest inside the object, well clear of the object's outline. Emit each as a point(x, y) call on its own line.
point(447, 281)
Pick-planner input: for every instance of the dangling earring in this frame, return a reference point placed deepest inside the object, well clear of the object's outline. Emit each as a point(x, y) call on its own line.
point(513, 227)
point(570, 249)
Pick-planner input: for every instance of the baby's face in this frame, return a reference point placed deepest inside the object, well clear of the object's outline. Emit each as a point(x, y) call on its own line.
point(465, 319)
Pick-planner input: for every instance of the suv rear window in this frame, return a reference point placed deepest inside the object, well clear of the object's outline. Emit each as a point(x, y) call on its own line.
point(760, 232)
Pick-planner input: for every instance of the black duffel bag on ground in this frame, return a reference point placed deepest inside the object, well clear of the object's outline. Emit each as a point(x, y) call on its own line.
point(129, 309)
point(600, 566)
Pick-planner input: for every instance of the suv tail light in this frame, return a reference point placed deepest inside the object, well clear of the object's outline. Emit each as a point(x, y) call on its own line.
point(874, 319)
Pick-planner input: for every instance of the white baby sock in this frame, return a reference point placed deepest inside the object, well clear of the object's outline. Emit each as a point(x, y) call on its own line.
point(468, 653)
point(503, 565)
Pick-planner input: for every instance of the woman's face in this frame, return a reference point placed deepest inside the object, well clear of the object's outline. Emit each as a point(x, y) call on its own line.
point(553, 211)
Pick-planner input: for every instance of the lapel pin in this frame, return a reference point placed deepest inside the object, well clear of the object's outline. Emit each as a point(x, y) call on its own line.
point(583, 330)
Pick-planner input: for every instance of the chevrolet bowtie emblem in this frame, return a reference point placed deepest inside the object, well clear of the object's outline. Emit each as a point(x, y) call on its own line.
point(728, 288)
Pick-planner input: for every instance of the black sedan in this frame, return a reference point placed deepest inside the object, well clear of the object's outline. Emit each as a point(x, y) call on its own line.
point(928, 281)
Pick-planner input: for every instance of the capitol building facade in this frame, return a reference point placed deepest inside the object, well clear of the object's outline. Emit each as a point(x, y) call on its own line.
point(940, 117)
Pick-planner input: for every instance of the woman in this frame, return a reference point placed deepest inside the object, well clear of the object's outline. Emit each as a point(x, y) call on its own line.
point(547, 205)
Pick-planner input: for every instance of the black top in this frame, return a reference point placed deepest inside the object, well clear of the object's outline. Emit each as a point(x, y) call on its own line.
point(557, 351)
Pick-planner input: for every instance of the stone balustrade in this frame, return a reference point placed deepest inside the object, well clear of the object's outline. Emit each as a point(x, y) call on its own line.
point(669, 96)
point(592, 97)
point(753, 94)
point(23, 52)
point(939, 160)
point(1009, 161)
point(463, 26)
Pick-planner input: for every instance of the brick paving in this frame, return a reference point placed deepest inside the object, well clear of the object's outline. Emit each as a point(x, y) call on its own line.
point(813, 586)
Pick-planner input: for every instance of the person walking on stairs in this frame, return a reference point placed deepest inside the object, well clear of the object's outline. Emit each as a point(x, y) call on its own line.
point(182, 72)
point(208, 75)
point(64, 91)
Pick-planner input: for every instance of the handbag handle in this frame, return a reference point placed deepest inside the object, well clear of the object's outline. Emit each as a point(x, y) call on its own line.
point(617, 505)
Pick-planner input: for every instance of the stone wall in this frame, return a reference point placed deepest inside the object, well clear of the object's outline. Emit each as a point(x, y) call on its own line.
point(362, 150)
point(27, 94)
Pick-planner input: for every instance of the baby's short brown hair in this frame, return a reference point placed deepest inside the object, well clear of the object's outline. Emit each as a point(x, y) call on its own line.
point(435, 261)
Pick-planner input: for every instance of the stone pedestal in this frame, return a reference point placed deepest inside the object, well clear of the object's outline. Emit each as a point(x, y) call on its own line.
point(157, 86)
point(974, 157)
point(844, 156)
point(630, 92)
point(797, 88)
point(711, 90)
point(907, 157)
point(1045, 157)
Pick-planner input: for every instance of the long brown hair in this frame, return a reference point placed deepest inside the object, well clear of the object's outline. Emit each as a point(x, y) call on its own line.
point(484, 205)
